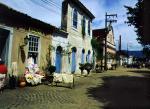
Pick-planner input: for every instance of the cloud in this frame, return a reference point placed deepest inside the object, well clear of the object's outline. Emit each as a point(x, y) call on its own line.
point(52, 14)
point(111, 3)
point(100, 7)
point(34, 8)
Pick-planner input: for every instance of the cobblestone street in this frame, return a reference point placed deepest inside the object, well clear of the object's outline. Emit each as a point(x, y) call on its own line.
point(48, 97)
point(92, 92)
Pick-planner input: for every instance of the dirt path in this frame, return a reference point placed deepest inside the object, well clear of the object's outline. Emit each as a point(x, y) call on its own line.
point(124, 89)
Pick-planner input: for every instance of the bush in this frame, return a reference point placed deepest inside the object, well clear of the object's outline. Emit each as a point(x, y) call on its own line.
point(51, 69)
point(86, 66)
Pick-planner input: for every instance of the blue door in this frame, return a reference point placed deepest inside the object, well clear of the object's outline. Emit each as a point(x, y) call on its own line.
point(58, 62)
point(82, 58)
point(88, 58)
point(73, 65)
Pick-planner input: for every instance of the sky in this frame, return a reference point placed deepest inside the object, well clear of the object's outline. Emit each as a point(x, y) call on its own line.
point(49, 11)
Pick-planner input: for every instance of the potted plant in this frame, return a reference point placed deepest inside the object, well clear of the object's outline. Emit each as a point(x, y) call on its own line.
point(51, 70)
point(88, 67)
point(22, 81)
point(12, 81)
point(82, 67)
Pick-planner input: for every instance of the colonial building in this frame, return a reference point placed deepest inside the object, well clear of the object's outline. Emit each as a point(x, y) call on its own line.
point(21, 36)
point(76, 21)
point(100, 35)
point(60, 51)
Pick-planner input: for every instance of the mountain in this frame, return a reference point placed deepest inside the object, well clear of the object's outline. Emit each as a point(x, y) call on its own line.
point(138, 54)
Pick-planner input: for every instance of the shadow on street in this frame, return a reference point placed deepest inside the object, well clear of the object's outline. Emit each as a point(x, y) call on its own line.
point(145, 73)
point(123, 92)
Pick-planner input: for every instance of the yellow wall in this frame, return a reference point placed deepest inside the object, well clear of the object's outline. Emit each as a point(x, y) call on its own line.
point(20, 56)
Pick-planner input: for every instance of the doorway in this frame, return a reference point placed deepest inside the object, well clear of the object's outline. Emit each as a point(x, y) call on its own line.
point(73, 64)
point(4, 45)
point(58, 62)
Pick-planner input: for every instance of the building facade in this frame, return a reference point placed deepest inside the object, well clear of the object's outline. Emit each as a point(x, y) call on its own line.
point(108, 33)
point(76, 21)
point(60, 51)
point(22, 36)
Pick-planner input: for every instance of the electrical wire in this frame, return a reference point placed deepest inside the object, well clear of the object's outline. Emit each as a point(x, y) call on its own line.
point(49, 2)
point(44, 6)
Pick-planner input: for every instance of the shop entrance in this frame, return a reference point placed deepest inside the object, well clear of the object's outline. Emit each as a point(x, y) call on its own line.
point(4, 45)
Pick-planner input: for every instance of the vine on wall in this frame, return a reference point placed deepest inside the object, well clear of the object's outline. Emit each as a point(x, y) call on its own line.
point(97, 47)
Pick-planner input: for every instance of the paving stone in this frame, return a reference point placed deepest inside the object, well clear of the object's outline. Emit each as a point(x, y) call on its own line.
point(61, 97)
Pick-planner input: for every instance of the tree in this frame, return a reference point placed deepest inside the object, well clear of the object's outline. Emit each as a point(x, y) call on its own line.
point(97, 47)
point(146, 51)
point(139, 16)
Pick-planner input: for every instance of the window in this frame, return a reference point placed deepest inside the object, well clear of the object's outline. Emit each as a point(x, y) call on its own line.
point(82, 56)
point(88, 56)
point(83, 26)
point(89, 28)
point(75, 18)
point(33, 47)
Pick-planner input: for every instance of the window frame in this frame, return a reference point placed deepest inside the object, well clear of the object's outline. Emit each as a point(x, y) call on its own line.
point(89, 27)
point(38, 47)
point(84, 24)
point(75, 19)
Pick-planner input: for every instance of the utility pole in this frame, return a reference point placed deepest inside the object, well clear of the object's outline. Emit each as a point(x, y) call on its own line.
point(108, 18)
point(120, 43)
point(119, 50)
point(127, 54)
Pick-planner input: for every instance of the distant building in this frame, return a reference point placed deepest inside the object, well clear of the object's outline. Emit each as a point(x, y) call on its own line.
point(122, 57)
point(77, 22)
point(100, 35)
point(128, 57)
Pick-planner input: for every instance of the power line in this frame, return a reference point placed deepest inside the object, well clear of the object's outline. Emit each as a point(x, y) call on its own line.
point(42, 5)
point(49, 2)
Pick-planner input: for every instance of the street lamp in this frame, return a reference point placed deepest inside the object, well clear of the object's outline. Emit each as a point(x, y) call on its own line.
point(26, 39)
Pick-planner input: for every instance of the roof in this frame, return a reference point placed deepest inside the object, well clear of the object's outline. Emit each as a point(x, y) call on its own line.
point(62, 32)
point(17, 19)
point(100, 33)
point(80, 5)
